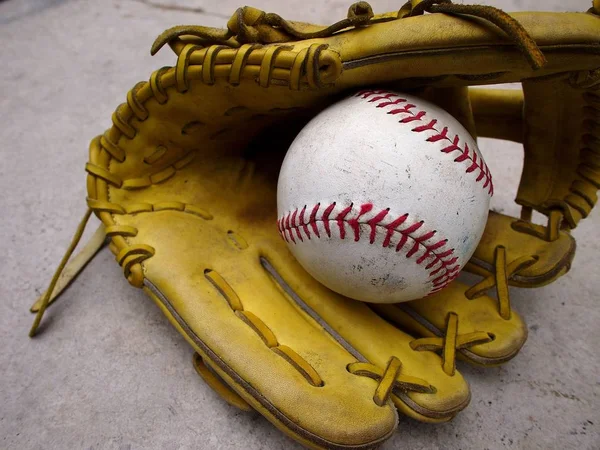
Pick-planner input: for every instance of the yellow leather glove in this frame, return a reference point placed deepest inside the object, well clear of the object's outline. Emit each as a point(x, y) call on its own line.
point(184, 183)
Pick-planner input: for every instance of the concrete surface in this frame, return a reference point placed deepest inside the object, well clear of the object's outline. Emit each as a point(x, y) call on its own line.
point(108, 371)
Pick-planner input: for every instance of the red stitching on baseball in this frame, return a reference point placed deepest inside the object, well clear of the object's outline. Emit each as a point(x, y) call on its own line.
point(385, 99)
point(443, 264)
point(392, 227)
point(341, 220)
point(373, 225)
point(355, 224)
point(287, 227)
point(312, 221)
point(303, 224)
point(326, 218)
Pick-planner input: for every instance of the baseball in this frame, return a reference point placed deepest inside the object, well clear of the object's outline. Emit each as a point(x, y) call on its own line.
point(383, 197)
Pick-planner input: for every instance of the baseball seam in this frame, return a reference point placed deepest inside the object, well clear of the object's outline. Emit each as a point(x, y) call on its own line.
point(386, 99)
point(440, 259)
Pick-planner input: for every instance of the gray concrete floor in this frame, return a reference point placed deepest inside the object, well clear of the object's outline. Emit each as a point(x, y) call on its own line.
point(109, 371)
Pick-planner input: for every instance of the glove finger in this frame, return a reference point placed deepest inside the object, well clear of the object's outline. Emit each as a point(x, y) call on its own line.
point(373, 340)
point(521, 239)
point(231, 313)
point(480, 335)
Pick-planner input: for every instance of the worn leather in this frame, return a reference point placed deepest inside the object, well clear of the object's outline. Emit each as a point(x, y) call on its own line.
point(202, 234)
point(184, 184)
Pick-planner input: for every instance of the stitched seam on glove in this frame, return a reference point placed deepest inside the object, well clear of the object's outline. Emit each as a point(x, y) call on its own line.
point(440, 259)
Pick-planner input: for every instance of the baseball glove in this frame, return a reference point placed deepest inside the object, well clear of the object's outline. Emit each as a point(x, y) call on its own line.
point(184, 184)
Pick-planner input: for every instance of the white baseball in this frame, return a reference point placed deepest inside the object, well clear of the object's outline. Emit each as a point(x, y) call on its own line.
point(383, 197)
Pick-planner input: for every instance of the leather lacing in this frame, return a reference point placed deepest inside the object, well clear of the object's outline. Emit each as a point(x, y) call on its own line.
point(498, 279)
point(496, 16)
point(449, 342)
point(128, 256)
point(250, 25)
point(193, 62)
point(265, 65)
point(583, 190)
point(583, 195)
point(262, 329)
point(389, 379)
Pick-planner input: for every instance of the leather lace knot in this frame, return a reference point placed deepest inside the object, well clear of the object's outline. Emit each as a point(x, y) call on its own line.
point(389, 379)
point(499, 279)
point(496, 16)
point(360, 13)
point(450, 342)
